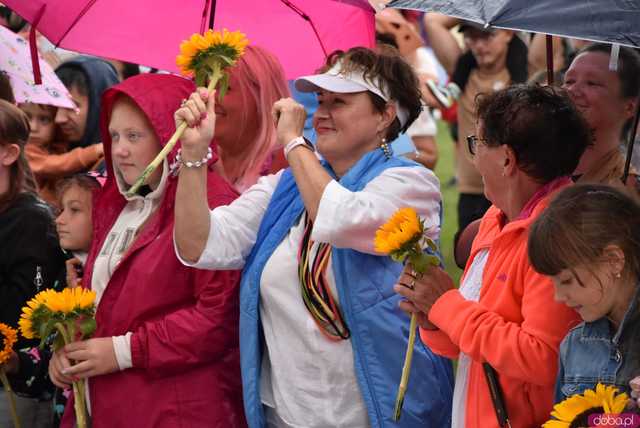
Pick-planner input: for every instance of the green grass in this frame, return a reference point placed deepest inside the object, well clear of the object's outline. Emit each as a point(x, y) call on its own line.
point(445, 171)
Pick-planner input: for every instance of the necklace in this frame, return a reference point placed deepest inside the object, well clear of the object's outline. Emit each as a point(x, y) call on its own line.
point(314, 287)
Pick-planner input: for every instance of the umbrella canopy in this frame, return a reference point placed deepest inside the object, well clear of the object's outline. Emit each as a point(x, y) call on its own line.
point(609, 21)
point(148, 32)
point(15, 61)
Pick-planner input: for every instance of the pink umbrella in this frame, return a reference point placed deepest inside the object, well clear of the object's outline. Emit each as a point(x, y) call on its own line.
point(15, 61)
point(148, 32)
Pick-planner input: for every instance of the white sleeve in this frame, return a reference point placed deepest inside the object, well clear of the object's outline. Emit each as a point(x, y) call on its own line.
point(234, 227)
point(425, 62)
point(348, 219)
point(122, 349)
point(424, 125)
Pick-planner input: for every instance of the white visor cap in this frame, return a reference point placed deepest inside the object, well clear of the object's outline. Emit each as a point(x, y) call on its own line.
point(346, 83)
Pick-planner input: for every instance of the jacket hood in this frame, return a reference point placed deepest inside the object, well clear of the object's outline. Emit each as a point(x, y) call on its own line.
point(158, 96)
point(100, 76)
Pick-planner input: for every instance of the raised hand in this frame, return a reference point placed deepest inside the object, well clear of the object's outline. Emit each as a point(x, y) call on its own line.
point(199, 114)
point(289, 116)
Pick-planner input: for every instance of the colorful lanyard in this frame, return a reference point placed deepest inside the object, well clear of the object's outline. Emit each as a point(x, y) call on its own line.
point(314, 287)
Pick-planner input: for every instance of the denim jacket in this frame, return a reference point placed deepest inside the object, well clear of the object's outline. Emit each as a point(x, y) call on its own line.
point(592, 354)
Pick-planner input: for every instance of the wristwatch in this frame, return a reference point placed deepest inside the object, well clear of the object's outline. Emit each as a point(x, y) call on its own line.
point(298, 141)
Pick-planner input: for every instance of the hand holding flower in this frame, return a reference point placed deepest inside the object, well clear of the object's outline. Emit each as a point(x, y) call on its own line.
point(206, 57)
point(404, 239)
point(198, 112)
point(70, 313)
point(93, 357)
point(422, 292)
point(58, 364)
point(13, 364)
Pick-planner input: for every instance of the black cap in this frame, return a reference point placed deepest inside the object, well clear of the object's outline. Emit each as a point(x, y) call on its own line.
point(464, 25)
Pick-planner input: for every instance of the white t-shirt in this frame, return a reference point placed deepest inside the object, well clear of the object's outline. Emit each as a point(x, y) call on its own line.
point(470, 290)
point(134, 214)
point(308, 380)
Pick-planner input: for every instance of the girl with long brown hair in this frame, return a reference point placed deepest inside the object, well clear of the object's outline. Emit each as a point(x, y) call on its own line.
point(30, 260)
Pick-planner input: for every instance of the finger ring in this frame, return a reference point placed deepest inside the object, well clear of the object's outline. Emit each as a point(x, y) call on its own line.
point(413, 273)
point(183, 102)
point(412, 284)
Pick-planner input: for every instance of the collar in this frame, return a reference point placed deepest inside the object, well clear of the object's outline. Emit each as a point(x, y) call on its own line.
point(153, 195)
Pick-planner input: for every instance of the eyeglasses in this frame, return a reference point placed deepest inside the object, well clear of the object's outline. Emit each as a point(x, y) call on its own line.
point(472, 143)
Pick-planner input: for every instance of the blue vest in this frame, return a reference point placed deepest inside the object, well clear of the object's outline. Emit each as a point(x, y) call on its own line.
point(379, 329)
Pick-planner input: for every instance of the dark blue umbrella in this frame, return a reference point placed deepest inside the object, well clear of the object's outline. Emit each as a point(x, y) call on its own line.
point(609, 21)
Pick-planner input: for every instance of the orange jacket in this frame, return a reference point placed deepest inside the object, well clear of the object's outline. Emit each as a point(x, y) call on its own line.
point(50, 164)
point(516, 326)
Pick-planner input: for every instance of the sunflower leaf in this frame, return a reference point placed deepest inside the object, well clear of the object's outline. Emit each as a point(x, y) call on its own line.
point(87, 327)
point(45, 331)
point(432, 245)
point(419, 262)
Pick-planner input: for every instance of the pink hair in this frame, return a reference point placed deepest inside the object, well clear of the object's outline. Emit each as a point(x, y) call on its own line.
point(260, 76)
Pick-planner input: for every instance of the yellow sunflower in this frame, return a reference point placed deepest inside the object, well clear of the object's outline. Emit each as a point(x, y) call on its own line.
point(401, 229)
point(9, 337)
point(26, 326)
point(50, 303)
point(34, 306)
point(603, 396)
point(201, 48)
point(70, 299)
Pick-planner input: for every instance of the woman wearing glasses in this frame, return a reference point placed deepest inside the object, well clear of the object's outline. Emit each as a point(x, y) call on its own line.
point(528, 142)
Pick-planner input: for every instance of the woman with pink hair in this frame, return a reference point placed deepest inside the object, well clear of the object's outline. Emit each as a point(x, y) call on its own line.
point(245, 131)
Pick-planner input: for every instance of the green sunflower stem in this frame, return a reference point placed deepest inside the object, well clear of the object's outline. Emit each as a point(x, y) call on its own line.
point(11, 397)
point(216, 75)
point(79, 405)
point(406, 369)
point(63, 332)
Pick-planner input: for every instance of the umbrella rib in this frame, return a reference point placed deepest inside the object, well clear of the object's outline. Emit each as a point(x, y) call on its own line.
point(306, 17)
point(212, 15)
point(86, 8)
point(204, 16)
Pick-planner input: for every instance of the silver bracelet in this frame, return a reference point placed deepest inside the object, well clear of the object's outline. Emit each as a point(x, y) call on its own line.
point(197, 164)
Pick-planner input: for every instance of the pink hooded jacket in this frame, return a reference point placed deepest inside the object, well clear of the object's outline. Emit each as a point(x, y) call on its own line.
point(184, 346)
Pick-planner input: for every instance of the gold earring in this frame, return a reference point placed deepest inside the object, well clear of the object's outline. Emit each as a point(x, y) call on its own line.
point(386, 148)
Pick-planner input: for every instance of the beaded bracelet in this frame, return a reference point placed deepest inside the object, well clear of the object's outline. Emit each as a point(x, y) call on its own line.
point(196, 164)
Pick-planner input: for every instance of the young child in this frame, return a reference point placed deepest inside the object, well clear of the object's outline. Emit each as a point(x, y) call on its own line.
point(49, 160)
point(588, 241)
point(30, 261)
point(74, 225)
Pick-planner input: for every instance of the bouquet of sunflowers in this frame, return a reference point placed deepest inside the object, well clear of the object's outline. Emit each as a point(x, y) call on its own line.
point(403, 239)
point(69, 313)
